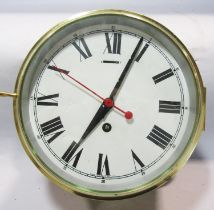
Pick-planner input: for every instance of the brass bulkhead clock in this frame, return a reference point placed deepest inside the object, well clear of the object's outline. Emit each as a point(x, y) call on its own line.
point(109, 104)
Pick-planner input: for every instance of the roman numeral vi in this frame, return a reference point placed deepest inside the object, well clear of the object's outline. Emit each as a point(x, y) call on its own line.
point(101, 166)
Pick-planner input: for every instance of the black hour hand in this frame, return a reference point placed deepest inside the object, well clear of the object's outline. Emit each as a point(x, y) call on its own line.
point(100, 114)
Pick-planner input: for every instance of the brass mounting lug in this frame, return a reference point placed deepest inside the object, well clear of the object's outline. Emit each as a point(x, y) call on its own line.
point(6, 94)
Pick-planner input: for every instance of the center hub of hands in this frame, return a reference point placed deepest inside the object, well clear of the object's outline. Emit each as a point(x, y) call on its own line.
point(108, 102)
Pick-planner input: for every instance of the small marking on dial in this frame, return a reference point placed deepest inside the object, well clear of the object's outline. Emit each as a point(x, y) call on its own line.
point(106, 127)
point(110, 61)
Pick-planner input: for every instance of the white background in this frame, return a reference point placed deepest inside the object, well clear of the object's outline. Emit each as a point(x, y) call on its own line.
point(22, 186)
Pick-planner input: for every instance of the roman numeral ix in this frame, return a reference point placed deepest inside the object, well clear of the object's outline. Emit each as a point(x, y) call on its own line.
point(115, 46)
point(163, 75)
point(159, 137)
point(101, 166)
point(82, 48)
point(48, 100)
point(52, 127)
point(170, 107)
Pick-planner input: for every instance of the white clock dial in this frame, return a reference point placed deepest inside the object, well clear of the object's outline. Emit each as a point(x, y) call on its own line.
point(117, 150)
point(110, 107)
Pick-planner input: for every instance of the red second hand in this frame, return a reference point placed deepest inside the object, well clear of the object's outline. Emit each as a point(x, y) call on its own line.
point(86, 87)
point(108, 102)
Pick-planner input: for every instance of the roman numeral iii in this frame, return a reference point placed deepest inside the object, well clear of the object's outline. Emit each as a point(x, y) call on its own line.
point(162, 76)
point(103, 166)
point(170, 107)
point(52, 127)
point(159, 137)
point(82, 48)
point(48, 100)
point(113, 46)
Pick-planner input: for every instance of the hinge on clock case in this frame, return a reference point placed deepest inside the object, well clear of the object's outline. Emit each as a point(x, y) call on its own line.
point(5, 94)
point(205, 95)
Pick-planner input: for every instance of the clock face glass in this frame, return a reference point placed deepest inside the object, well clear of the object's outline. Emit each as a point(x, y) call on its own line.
point(109, 107)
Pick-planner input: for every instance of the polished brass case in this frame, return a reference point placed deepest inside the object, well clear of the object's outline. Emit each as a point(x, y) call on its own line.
point(199, 125)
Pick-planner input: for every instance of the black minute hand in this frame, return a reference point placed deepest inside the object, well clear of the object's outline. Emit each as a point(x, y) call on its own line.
point(103, 109)
point(126, 70)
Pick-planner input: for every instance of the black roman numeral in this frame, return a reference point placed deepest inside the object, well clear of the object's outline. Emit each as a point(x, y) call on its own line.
point(163, 75)
point(136, 159)
point(48, 100)
point(159, 137)
point(85, 52)
point(170, 107)
point(143, 51)
point(69, 154)
point(115, 46)
point(101, 166)
point(50, 127)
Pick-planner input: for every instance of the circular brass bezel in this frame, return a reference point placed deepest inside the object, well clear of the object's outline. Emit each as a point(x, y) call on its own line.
point(198, 128)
